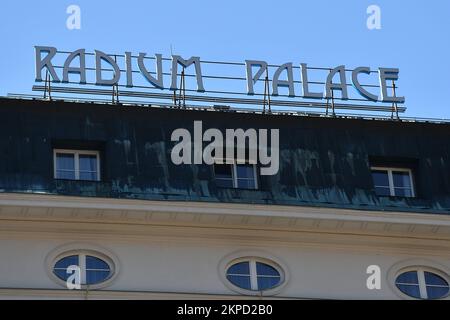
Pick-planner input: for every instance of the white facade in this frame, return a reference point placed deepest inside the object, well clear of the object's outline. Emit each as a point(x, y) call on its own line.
point(181, 250)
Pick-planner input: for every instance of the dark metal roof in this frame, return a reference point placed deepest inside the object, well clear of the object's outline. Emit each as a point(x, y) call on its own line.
point(323, 161)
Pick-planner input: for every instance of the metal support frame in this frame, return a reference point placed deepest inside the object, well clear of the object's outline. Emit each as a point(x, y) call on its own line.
point(47, 86)
point(266, 93)
point(333, 113)
point(180, 99)
point(115, 89)
point(394, 104)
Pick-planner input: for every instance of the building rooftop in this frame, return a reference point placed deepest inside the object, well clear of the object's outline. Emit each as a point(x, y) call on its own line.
point(324, 161)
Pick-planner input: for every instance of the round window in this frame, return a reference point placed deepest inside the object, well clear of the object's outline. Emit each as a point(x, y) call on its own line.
point(93, 269)
point(254, 275)
point(422, 284)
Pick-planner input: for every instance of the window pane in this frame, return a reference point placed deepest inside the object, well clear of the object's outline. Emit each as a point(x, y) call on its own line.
point(224, 178)
point(67, 261)
point(245, 171)
point(382, 191)
point(62, 274)
point(60, 268)
point(434, 279)
point(265, 283)
point(266, 270)
point(93, 277)
point(239, 268)
point(65, 161)
point(401, 179)
point(400, 192)
point(380, 178)
point(240, 281)
point(437, 292)
point(96, 263)
point(65, 175)
point(410, 290)
point(88, 162)
point(408, 277)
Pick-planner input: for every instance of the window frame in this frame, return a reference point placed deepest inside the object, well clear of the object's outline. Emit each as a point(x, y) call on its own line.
point(76, 153)
point(420, 270)
point(234, 163)
point(390, 171)
point(253, 274)
point(82, 254)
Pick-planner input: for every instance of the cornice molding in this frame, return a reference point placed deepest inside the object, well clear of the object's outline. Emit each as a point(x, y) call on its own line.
point(100, 215)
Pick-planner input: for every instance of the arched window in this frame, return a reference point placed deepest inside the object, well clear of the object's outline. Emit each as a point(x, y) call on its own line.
point(254, 274)
point(94, 268)
point(422, 283)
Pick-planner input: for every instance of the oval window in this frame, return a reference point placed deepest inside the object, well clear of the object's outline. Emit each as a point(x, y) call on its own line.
point(93, 269)
point(254, 275)
point(422, 284)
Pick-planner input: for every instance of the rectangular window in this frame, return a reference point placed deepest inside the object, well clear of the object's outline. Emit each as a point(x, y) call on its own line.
point(242, 176)
point(76, 164)
point(393, 182)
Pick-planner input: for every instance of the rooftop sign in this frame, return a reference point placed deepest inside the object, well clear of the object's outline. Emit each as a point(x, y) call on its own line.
point(288, 81)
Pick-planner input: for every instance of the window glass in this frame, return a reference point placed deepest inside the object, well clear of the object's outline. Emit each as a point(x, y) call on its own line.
point(239, 275)
point(410, 290)
point(265, 283)
point(266, 270)
point(380, 178)
point(223, 175)
point(437, 287)
point(239, 268)
point(268, 276)
point(240, 281)
point(65, 166)
point(401, 179)
point(96, 263)
point(60, 268)
point(88, 167)
point(409, 277)
point(253, 275)
point(245, 175)
point(93, 269)
point(410, 283)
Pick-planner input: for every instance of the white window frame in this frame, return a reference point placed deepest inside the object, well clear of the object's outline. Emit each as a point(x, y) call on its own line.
point(234, 177)
point(76, 154)
point(421, 280)
point(254, 274)
point(389, 171)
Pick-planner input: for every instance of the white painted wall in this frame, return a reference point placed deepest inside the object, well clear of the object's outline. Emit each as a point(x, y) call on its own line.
point(175, 250)
point(192, 266)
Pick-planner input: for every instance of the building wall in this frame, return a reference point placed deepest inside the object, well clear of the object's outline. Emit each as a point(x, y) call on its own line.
point(160, 257)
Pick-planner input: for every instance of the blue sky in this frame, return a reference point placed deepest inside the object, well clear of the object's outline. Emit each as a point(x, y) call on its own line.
point(414, 37)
